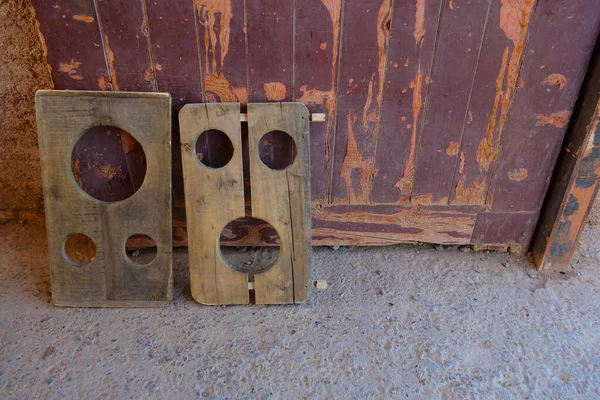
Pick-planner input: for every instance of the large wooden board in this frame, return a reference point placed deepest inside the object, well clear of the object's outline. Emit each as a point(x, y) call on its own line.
point(110, 279)
point(215, 197)
point(282, 198)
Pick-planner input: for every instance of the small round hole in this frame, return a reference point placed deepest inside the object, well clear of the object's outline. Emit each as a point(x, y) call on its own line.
point(252, 260)
point(79, 249)
point(277, 150)
point(214, 148)
point(141, 249)
point(108, 163)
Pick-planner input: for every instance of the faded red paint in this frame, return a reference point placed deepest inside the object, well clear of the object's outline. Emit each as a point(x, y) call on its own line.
point(110, 59)
point(216, 85)
point(354, 160)
point(84, 18)
point(406, 182)
point(419, 32)
point(558, 119)
point(110, 172)
point(556, 80)
point(275, 91)
point(517, 174)
point(485, 151)
point(452, 149)
point(71, 69)
point(103, 84)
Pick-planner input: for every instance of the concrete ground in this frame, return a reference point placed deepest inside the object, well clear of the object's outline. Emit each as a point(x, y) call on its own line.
point(403, 321)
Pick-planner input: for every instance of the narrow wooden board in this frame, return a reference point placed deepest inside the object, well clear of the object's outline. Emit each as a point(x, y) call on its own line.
point(413, 34)
point(270, 50)
point(575, 182)
point(110, 279)
point(214, 197)
point(175, 50)
point(389, 224)
point(361, 78)
point(459, 38)
point(127, 44)
point(316, 60)
point(282, 198)
point(221, 37)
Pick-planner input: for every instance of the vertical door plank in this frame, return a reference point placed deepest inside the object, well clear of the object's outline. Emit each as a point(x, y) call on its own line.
point(542, 107)
point(214, 197)
point(110, 279)
point(270, 50)
point(413, 33)
point(362, 77)
point(282, 198)
point(456, 56)
point(222, 46)
point(496, 81)
point(175, 50)
point(69, 31)
point(127, 44)
point(318, 25)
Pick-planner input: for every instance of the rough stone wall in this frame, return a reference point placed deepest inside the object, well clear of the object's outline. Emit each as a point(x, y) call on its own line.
point(24, 70)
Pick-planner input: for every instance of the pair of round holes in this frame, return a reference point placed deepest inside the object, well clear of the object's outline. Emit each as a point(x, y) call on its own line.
point(276, 149)
point(109, 164)
point(80, 249)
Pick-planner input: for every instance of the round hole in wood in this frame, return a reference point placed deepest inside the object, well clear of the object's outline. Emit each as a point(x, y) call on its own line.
point(249, 245)
point(108, 163)
point(79, 249)
point(214, 148)
point(277, 150)
point(140, 249)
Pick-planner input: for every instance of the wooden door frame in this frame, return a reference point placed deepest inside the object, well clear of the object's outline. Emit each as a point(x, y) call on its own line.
point(575, 181)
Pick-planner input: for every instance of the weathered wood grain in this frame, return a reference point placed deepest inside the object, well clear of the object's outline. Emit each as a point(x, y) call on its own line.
point(282, 198)
point(127, 44)
point(214, 197)
point(110, 279)
point(388, 224)
point(70, 34)
point(542, 108)
point(270, 50)
point(362, 77)
point(318, 26)
point(222, 45)
point(459, 39)
point(411, 49)
point(575, 182)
